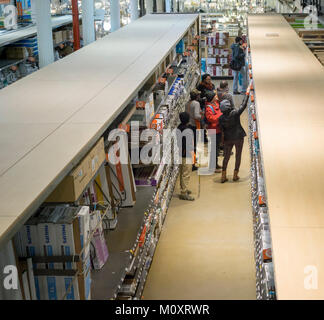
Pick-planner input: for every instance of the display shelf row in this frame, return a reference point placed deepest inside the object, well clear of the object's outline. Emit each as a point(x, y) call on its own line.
point(265, 285)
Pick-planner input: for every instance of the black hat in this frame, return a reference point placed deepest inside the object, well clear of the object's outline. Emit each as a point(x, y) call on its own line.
point(184, 117)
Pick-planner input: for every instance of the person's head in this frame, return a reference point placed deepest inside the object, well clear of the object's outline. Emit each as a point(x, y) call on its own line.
point(223, 84)
point(225, 107)
point(211, 96)
point(206, 78)
point(239, 40)
point(61, 46)
point(195, 94)
point(184, 118)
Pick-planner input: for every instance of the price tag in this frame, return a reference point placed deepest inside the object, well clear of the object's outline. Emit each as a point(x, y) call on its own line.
point(125, 127)
point(194, 41)
point(140, 104)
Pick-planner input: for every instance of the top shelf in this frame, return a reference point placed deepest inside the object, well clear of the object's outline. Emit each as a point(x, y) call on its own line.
point(22, 33)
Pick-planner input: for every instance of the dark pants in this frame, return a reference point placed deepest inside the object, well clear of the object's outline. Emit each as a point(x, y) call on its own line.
point(215, 140)
point(228, 146)
point(218, 145)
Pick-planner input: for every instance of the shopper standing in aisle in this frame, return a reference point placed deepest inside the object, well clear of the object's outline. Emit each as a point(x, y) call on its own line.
point(223, 93)
point(213, 113)
point(233, 134)
point(205, 85)
point(186, 150)
point(195, 113)
point(238, 65)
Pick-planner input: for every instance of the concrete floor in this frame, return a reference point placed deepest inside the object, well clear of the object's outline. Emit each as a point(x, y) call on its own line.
point(206, 247)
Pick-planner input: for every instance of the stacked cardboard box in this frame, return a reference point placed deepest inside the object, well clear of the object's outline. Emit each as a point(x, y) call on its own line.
point(17, 53)
point(58, 231)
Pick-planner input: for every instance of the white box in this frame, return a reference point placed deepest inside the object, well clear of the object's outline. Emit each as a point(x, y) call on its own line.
point(63, 286)
point(31, 278)
point(47, 235)
point(84, 225)
point(64, 235)
point(25, 282)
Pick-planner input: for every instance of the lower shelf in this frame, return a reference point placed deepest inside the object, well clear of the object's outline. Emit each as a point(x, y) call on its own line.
point(120, 241)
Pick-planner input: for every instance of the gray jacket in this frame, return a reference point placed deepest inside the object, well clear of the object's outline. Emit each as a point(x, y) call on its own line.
point(223, 94)
point(193, 108)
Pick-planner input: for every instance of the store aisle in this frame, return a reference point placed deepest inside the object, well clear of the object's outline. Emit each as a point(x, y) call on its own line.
point(206, 246)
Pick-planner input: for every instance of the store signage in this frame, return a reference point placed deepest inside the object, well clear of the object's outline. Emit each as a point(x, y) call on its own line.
point(4, 1)
point(11, 17)
point(140, 104)
point(162, 80)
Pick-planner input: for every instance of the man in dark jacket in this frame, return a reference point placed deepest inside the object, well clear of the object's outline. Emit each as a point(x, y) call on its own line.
point(233, 134)
point(238, 57)
point(186, 149)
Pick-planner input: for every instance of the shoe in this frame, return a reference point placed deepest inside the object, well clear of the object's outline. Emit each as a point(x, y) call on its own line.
point(236, 92)
point(189, 192)
point(218, 170)
point(243, 92)
point(194, 168)
point(224, 179)
point(186, 197)
point(235, 176)
point(218, 167)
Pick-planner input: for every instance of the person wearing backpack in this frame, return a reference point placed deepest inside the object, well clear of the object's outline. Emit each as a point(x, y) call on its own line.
point(233, 134)
point(238, 65)
point(212, 115)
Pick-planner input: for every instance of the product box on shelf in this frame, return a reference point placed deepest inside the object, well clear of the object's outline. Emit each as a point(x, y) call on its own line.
point(99, 250)
point(16, 53)
point(71, 188)
point(58, 37)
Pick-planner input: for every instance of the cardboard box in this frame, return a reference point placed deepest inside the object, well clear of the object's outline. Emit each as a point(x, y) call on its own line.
point(16, 53)
point(71, 188)
point(64, 35)
point(58, 37)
